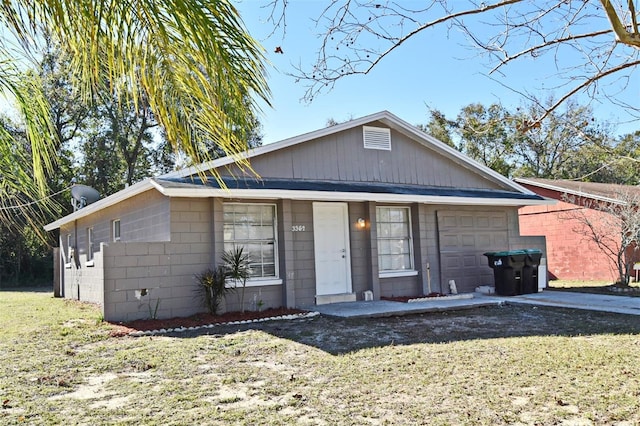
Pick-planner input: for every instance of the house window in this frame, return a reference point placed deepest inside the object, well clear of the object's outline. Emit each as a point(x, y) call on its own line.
point(115, 228)
point(69, 250)
point(394, 239)
point(253, 226)
point(89, 244)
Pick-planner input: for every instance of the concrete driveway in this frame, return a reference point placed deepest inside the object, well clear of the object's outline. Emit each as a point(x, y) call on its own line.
point(560, 299)
point(593, 302)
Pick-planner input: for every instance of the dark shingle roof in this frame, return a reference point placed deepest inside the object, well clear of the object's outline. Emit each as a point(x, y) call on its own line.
point(347, 187)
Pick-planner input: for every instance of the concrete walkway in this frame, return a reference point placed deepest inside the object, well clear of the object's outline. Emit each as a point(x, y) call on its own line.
point(593, 302)
point(383, 308)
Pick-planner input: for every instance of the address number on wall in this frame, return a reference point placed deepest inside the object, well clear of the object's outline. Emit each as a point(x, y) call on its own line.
point(297, 228)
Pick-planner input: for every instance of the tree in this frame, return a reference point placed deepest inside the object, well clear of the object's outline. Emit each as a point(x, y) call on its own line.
point(22, 247)
point(70, 116)
point(17, 209)
point(247, 136)
point(439, 127)
point(548, 148)
point(102, 166)
point(616, 231)
point(129, 127)
point(192, 61)
point(487, 134)
point(567, 144)
point(602, 38)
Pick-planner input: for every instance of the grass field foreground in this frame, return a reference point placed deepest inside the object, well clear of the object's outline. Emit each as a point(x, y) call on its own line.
point(58, 365)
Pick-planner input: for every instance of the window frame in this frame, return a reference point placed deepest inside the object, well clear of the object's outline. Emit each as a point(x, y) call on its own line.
point(256, 280)
point(410, 271)
point(90, 246)
point(69, 252)
point(115, 237)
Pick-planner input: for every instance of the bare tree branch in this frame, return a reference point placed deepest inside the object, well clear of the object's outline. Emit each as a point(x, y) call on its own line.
point(623, 36)
point(551, 43)
point(586, 83)
point(356, 35)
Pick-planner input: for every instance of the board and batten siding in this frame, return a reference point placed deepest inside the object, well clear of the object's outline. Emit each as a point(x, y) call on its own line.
point(342, 157)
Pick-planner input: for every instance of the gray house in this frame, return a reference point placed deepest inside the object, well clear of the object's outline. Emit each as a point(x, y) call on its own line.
point(370, 207)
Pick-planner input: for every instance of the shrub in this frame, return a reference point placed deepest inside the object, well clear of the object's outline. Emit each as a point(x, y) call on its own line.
point(237, 266)
point(212, 285)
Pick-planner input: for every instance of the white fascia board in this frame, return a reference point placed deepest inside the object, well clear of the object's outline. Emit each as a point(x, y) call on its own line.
point(274, 194)
point(129, 192)
point(570, 191)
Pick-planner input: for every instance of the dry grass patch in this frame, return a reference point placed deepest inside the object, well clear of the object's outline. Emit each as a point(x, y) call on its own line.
point(597, 287)
point(500, 365)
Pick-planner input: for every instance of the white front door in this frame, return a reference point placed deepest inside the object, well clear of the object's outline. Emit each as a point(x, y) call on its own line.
point(331, 245)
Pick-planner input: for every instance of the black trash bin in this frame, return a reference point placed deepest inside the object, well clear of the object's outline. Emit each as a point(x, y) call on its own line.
point(530, 271)
point(507, 271)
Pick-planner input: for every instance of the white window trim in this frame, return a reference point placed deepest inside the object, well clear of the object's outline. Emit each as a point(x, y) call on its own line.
point(276, 279)
point(397, 274)
point(113, 230)
point(254, 282)
point(90, 246)
point(403, 272)
point(69, 252)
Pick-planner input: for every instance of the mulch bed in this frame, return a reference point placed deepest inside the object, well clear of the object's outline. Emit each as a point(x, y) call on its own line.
point(123, 329)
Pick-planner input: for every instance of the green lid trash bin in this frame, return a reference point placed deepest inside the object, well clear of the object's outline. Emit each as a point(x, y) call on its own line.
point(530, 271)
point(507, 270)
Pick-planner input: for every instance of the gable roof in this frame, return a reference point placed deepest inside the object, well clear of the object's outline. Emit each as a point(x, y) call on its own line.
point(607, 192)
point(187, 182)
point(384, 117)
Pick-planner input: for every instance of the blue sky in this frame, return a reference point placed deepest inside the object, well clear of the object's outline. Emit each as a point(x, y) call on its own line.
point(435, 69)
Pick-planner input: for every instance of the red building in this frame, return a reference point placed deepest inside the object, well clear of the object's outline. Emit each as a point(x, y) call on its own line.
point(571, 255)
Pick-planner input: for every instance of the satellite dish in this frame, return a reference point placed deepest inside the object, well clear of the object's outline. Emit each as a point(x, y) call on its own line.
point(82, 196)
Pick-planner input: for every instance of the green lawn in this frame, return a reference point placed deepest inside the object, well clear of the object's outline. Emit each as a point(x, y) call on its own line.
point(502, 365)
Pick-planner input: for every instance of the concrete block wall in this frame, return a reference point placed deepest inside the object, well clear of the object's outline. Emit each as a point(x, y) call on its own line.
point(82, 281)
point(256, 298)
point(399, 286)
point(157, 279)
point(570, 255)
point(146, 280)
point(145, 217)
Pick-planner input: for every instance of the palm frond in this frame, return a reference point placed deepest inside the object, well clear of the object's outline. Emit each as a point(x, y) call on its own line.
point(193, 60)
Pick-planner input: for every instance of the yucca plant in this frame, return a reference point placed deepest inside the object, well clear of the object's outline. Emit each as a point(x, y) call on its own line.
point(236, 262)
point(212, 285)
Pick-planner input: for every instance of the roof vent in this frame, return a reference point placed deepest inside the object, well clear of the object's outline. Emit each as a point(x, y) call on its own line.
point(377, 138)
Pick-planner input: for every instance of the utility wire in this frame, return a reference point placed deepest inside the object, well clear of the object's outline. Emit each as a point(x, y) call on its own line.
point(41, 200)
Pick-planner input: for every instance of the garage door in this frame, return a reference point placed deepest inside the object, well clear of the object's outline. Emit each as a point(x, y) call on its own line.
point(463, 238)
